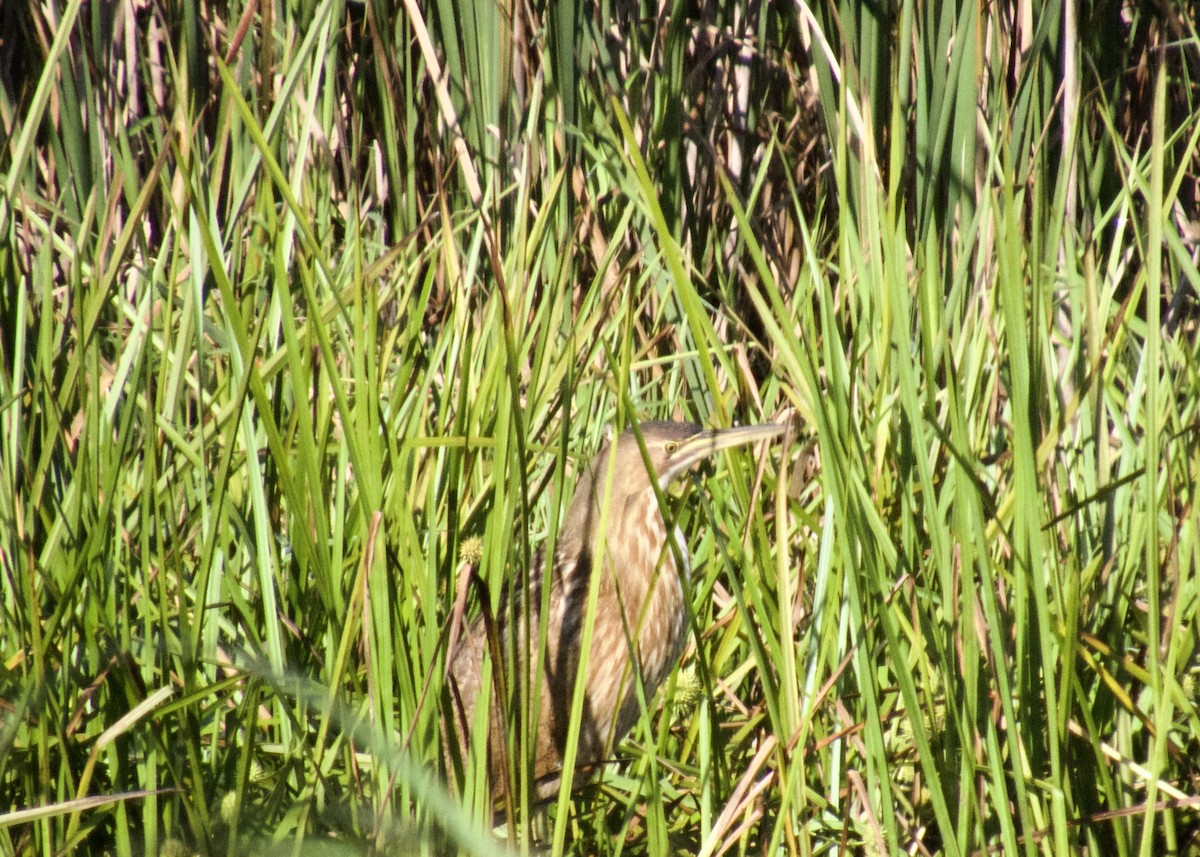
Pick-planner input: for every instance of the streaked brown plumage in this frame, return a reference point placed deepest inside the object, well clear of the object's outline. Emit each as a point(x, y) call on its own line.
point(640, 606)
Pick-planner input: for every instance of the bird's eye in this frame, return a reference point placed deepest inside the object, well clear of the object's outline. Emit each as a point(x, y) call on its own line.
point(670, 446)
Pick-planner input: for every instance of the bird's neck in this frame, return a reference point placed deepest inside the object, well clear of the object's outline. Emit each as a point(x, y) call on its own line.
point(645, 547)
point(653, 604)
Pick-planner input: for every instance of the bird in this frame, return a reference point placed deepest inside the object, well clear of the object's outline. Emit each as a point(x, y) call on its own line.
point(640, 625)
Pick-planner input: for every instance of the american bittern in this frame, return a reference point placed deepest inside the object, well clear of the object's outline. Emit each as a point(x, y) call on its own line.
point(640, 607)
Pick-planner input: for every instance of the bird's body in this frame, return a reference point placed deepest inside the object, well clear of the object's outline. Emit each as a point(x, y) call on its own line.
point(641, 618)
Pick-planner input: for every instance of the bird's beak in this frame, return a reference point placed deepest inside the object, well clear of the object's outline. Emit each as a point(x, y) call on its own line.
point(704, 443)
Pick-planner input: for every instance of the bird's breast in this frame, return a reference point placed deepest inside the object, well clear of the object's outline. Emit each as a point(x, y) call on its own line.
point(659, 600)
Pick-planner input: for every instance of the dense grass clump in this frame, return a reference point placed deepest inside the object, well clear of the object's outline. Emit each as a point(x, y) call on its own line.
point(311, 311)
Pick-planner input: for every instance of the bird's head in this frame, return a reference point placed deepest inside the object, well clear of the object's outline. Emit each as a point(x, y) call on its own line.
point(675, 448)
point(672, 449)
